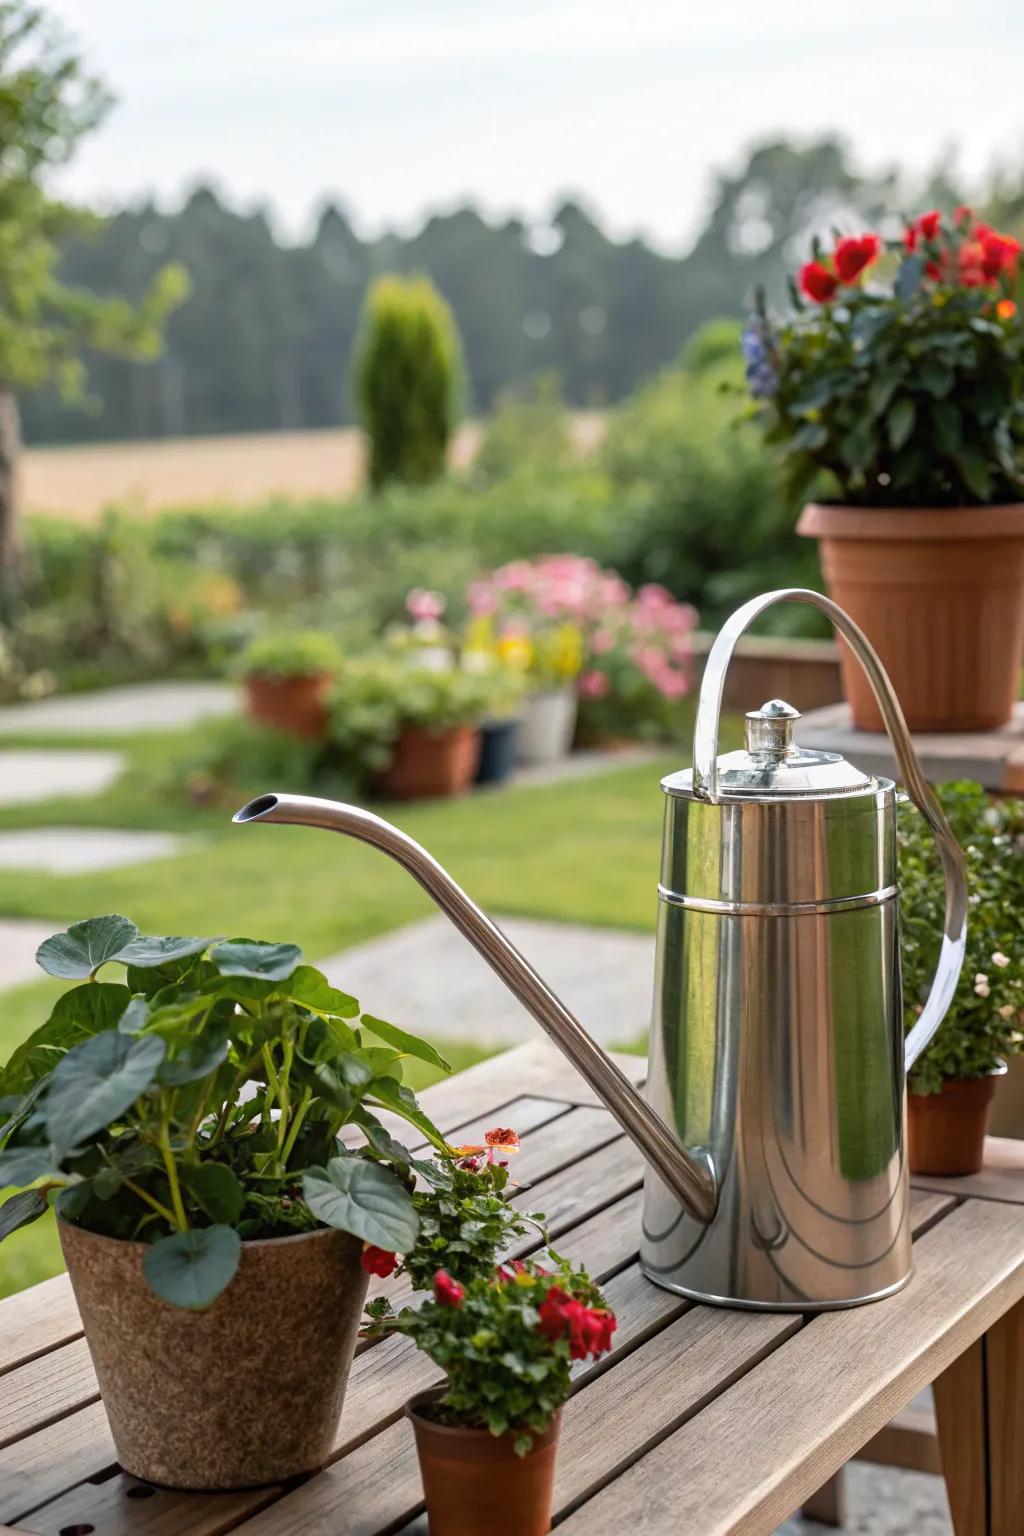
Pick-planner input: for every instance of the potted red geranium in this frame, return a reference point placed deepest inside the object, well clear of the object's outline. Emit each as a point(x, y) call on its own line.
point(903, 399)
point(487, 1440)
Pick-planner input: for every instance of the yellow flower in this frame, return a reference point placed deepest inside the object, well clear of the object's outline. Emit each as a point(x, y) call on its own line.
point(516, 651)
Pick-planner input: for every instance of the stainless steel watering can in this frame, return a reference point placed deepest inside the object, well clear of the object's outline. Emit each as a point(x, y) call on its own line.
point(773, 1128)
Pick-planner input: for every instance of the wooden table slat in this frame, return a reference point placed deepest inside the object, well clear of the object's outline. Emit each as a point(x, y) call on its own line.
point(45, 1389)
point(805, 1410)
point(1001, 1178)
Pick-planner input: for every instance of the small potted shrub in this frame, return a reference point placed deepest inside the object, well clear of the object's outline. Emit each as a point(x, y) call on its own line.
point(901, 401)
point(185, 1119)
point(951, 1085)
point(488, 1438)
point(287, 677)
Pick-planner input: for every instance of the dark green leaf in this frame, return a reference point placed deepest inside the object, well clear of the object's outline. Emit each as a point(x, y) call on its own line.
point(23, 1165)
point(403, 1101)
point(411, 1045)
point(382, 1142)
point(198, 1060)
point(78, 1014)
point(215, 1190)
point(20, 1209)
point(84, 947)
point(946, 417)
point(936, 379)
point(900, 422)
point(364, 1199)
point(250, 957)
point(145, 953)
point(311, 990)
point(809, 437)
point(96, 1082)
point(880, 393)
point(857, 447)
point(977, 475)
point(190, 1269)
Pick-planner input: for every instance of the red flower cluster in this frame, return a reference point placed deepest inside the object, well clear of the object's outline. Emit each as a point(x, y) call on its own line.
point(505, 1139)
point(448, 1292)
point(378, 1261)
point(588, 1329)
point(986, 255)
point(983, 257)
point(819, 280)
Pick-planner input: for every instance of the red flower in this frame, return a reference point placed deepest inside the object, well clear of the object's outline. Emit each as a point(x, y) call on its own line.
point(927, 227)
point(447, 1292)
point(855, 253)
point(378, 1261)
point(552, 1316)
point(589, 1329)
point(999, 253)
point(962, 216)
point(1006, 309)
point(817, 282)
point(500, 1137)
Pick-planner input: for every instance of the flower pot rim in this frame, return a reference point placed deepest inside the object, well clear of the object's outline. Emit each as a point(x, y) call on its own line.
point(846, 520)
point(475, 1432)
point(961, 1082)
point(249, 1244)
point(279, 678)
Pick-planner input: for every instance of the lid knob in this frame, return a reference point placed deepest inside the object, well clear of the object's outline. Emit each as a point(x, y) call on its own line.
point(768, 731)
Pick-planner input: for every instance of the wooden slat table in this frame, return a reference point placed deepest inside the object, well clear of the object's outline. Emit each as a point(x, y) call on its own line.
point(702, 1421)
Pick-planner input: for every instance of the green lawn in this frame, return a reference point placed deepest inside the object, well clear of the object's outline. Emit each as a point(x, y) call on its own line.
point(583, 851)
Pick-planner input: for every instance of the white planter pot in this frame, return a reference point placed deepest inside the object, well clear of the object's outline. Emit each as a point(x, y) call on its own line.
point(548, 725)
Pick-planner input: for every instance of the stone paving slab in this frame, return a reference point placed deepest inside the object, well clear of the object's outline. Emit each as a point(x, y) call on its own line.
point(20, 937)
point(27, 776)
point(427, 978)
point(885, 1502)
point(155, 706)
point(74, 850)
point(994, 758)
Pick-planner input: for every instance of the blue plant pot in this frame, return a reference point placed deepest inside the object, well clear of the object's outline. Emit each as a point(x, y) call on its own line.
point(498, 739)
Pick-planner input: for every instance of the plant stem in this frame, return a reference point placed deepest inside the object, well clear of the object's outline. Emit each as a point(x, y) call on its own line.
point(170, 1167)
point(157, 1206)
point(300, 1115)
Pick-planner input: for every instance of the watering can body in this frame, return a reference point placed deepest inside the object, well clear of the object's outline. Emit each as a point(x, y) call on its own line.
point(773, 1126)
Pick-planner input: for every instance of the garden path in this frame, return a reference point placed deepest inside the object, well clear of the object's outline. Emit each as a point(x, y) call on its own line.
point(122, 711)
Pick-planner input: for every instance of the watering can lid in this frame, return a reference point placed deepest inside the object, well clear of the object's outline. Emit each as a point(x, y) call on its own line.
point(772, 764)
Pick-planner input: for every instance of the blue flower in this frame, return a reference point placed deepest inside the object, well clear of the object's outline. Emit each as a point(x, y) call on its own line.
point(758, 352)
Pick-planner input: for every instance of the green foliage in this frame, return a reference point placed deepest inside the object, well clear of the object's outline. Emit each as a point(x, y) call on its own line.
point(199, 1104)
point(909, 394)
point(698, 503)
point(291, 653)
point(505, 1343)
point(529, 431)
point(716, 345)
point(47, 104)
point(983, 1026)
point(408, 371)
point(466, 1224)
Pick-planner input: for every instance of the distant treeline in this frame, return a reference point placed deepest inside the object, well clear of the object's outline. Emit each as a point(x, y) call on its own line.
point(265, 341)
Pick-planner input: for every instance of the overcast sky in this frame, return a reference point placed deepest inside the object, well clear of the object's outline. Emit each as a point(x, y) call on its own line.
point(399, 107)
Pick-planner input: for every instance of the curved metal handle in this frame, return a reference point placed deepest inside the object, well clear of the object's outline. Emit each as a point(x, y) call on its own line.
point(705, 781)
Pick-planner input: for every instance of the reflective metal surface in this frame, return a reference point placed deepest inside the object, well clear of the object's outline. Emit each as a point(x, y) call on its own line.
point(777, 1045)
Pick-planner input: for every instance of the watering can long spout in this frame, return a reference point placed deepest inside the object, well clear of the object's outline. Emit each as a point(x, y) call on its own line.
point(692, 1182)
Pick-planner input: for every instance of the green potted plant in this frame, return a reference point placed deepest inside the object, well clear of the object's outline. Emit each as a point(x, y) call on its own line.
point(902, 401)
point(488, 1438)
point(951, 1086)
point(287, 676)
point(184, 1119)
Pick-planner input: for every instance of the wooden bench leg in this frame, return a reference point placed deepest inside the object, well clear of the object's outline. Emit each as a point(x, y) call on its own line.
point(828, 1505)
point(979, 1408)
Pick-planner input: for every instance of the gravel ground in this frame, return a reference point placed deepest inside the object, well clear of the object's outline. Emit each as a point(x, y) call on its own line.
point(884, 1502)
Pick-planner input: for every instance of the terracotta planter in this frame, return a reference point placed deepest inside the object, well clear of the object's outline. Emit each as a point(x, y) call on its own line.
point(946, 1130)
point(296, 705)
point(432, 764)
point(248, 1391)
point(548, 725)
point(940, 594)
point(475, 1483)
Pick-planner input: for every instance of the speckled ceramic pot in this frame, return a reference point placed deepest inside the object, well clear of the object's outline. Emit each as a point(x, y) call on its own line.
point(248, 1391)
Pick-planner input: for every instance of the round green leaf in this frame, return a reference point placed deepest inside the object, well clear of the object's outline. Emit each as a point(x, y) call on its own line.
point(146, 952)
point(96, 1082)
point(365, 1199)
point(190, 1269)
point(76, 953)
point(215, 1190)
point(250, 957)
point(311, 990)
point(84, 1011)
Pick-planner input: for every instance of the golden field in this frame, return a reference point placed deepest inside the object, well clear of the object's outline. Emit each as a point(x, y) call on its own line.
point(148, 477)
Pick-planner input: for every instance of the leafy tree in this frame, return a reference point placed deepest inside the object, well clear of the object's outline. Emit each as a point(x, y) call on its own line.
point(408, 371)
point(47, 104)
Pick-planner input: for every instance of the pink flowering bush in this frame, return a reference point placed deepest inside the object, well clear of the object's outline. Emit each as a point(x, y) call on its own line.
point(635, 647)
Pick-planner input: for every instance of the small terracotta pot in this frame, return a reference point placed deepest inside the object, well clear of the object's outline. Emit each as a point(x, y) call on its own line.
point(432, 764)
point(248, 1391)
point(946, 1130)
point(474, 1482)
point(296, 705)
point(939, 592)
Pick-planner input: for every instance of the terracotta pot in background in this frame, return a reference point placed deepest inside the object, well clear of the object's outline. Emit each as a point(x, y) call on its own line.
point(946, 1130)
point(248, 1391)
point(432, 764)
point(940, 594)
point(475, 1483)
point(296, 705)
